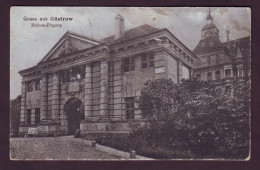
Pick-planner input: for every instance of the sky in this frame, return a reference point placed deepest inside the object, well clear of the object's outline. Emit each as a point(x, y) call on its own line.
point(28, 45)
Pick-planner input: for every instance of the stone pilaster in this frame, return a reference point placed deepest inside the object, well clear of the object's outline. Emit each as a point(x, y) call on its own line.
point(118, 94)
point(161, 66)
point(104, 89)
point(23, 104)
point(44, 101)
point(180, 71)
point(88, 91)
point(55, 98)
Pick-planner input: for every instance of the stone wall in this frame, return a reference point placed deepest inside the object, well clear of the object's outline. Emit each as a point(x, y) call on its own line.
point(96, 90)
point(117, 91)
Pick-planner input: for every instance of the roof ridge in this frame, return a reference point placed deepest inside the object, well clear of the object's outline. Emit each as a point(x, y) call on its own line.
point(81, 35)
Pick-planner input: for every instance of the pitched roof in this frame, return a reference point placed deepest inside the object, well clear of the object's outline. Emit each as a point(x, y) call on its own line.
point(242, 43)
point(131, 34)
point(207, 44)
point(209, 17)
point(208, 26)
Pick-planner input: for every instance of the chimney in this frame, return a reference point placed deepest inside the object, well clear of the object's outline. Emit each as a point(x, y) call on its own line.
point(227, 32)
point(228, 43)
point(119, 29)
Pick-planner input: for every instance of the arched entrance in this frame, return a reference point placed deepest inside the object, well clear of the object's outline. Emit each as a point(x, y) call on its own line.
point(74, 109)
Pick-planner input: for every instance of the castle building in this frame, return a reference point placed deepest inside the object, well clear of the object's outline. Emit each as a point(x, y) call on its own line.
point(91, 85)
point(223, 63)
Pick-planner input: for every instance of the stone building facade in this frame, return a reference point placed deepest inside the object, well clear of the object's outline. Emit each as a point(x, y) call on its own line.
point(92, 85)
point(224, 63)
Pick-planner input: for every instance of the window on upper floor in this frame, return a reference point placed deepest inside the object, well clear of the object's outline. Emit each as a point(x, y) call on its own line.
point(217, 59)
point(198, 61)
point(240, 72)
point(72, 74)
point(77, 73)
point(65, 76)
point(217, 75)
point(228, 73)
point(209, 76)
point(209, 60)
point(128, 64)
point(29, 86)
point(37, 85)
point(129, 107)
point(147, 60)
point(185, 72)
point(198, 76)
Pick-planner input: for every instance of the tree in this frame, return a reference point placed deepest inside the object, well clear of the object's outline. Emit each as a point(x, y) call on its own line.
point(193, 114)
point(15, 110)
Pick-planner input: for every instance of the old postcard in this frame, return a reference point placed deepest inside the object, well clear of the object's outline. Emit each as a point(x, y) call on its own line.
point(137, 83)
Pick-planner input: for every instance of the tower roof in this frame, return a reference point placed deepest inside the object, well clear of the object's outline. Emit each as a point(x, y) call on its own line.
point(209, 17)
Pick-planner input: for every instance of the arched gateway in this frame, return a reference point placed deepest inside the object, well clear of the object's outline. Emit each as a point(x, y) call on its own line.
point(74, 108)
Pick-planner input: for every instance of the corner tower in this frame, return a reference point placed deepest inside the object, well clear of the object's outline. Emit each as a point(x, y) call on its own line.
point(210, 29)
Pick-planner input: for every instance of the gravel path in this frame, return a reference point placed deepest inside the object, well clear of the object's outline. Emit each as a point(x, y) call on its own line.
point(54, 148)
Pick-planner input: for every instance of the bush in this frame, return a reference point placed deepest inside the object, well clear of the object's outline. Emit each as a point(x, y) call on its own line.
point(194, 115)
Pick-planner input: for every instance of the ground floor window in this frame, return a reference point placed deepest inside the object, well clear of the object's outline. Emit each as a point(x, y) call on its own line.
point(209, 76)
point(130, 107)
point(28, 117)
point(217, 75)
point(228, 90)
point(37, 115)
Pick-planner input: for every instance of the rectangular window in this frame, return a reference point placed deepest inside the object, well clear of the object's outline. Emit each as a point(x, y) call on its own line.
point(217, 75)
point(37, 85)
point(185, 72)
point(159, 70)
point(209, 60)
point(228, 73)
point(29, 86)
point(28, 117)
point(130, 107)
point(240, 72)
point(37, 115)
point(129, 64)
point(209, 76)
point(228, 89)
point(198, 76)
point(147, 60)
point(65, 76)
point(217, 59)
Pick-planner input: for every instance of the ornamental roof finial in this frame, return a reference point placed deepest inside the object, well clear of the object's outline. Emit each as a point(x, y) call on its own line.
point(209, 17)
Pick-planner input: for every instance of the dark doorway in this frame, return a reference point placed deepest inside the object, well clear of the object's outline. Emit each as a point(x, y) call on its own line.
point(75, 113)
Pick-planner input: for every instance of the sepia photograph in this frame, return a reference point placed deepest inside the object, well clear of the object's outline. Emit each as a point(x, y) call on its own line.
point(130, 83)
